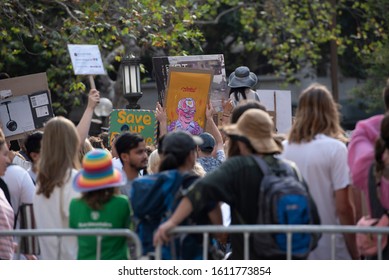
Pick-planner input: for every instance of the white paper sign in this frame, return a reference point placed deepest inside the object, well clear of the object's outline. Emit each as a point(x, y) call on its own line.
point(280, 102)
point(86, 60)
point(16, 115)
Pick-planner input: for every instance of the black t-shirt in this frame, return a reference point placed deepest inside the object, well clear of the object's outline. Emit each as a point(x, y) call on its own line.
point(236, 182)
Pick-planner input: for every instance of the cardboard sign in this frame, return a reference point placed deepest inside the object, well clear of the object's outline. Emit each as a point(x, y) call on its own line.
point(86, 60)
point(219, 89)
point(137, 121)
point(187, 98)
point(25, 105)
point(279, 105)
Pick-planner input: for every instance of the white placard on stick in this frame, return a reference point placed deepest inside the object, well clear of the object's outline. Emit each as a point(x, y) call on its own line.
point(86, 60)
point(279, 105)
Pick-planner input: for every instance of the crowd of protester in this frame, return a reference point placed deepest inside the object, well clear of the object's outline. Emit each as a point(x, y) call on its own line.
point(76, 181)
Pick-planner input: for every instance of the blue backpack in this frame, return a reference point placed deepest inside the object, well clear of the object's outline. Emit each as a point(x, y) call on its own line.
point(284, 199)
point(153, 200)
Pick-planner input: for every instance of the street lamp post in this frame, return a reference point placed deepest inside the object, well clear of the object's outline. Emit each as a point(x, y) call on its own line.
point(131, 81)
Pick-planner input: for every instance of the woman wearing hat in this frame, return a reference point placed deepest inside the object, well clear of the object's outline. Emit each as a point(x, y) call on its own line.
point(241, 82)
point(100, 207)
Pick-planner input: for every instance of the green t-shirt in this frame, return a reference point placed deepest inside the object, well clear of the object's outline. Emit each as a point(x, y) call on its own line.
point(114, 214)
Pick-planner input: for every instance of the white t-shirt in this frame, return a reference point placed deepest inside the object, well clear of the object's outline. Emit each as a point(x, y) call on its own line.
point(250, 94)
point(20, 185)
point(117, 163)
point(21, 162)
point(53, 213)
point(323, 164)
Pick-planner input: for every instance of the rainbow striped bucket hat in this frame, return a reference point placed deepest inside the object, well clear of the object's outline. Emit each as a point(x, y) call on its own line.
point(98, 173)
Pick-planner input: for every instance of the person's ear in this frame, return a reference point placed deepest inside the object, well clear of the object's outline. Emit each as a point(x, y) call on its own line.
point(125, 157)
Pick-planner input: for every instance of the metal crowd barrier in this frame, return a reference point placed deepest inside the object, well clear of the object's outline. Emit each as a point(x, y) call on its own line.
point(99, 233)
point(246, 230)
point(288, 230)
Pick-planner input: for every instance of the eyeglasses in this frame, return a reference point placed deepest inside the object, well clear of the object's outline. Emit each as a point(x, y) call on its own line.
point(188, 111)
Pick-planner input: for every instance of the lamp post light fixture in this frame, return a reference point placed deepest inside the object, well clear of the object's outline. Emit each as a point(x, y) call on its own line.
point(103, 110)
point(131, 81)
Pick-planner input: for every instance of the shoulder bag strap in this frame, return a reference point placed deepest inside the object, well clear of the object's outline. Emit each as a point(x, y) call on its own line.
point(5, 189)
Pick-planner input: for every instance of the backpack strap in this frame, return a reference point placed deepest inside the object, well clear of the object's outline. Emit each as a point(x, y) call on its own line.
point(266, 170)
point(376, 208)
point(269, 165)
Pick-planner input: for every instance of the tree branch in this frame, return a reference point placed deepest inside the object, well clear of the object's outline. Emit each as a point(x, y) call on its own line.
point(67, 10)
point(216, 20)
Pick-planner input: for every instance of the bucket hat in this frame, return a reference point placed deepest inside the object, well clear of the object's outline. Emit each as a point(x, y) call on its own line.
point(98, 172)
point(242, 77)
point(257, 127)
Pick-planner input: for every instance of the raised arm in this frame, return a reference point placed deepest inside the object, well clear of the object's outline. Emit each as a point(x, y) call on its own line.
point(84, 124)
point(161, 118)
point(213, 128)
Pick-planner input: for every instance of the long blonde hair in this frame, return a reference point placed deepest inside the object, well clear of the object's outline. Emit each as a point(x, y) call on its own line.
point(316, 113)
point(59, 154)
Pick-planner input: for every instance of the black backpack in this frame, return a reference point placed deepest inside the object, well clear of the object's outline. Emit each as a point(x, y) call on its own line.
point(284, 199)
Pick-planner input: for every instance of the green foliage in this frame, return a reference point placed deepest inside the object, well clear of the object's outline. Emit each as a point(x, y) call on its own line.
point(279, 36)
point(34, 36)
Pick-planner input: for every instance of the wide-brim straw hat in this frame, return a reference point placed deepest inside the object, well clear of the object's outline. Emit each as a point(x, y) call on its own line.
point(242, 77)
point(257, 127)
point(98, 173)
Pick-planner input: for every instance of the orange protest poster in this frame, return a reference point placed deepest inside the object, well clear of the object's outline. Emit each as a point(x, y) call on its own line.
point(186, 99)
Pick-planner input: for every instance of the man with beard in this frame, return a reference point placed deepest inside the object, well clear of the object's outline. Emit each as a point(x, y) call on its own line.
point(131, 149)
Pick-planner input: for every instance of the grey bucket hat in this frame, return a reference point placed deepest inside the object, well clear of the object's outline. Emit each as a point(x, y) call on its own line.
point(242, 77)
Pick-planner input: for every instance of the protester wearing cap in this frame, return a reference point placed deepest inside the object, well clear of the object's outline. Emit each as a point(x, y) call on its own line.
point(100, 207)
point(211, 141)
point(241, 82)
point(235, 182)
point(178, 153)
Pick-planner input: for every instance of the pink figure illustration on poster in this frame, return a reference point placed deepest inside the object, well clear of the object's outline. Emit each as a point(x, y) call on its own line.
point(186, 110)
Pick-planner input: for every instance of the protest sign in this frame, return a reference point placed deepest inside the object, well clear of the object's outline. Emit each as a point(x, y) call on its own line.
point(279, 105)
point(86, 60)
point(137, 121)
point(186, 99)
point(25, 105)
point(219, 90)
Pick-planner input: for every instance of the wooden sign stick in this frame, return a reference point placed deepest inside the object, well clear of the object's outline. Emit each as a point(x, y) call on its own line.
point(92, 82)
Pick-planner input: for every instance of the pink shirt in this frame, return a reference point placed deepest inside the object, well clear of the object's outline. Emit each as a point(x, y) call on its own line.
point(361, 156)
point(6, 223)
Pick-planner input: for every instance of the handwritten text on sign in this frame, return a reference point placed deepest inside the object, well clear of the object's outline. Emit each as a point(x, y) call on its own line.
point(135, 121)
